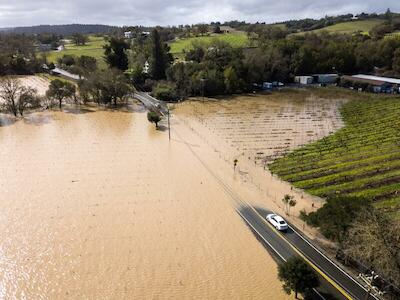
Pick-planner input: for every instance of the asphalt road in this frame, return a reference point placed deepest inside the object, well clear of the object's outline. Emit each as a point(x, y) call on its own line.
point(150, 102)
point(335, 281)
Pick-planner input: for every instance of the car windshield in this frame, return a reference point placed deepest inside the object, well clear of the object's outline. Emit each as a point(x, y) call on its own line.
point(282, 222)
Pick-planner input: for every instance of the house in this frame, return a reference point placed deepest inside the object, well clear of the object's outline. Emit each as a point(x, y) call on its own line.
point(128, 34)
point(226, 29)
point(146, 67)
point(304, 79)
point(376, 84)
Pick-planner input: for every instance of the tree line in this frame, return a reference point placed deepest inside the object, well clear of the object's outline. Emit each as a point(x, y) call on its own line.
point(217, 68)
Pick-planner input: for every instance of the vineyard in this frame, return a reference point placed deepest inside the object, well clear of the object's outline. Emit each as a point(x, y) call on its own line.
point(360, 160)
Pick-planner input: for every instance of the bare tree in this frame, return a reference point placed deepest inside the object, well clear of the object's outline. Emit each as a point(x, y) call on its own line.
point(10, 88)
point(28, 98)
point(15, 96)
point(375, 240)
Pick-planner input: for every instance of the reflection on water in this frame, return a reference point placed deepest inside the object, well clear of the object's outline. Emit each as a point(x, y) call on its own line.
point(101, 206)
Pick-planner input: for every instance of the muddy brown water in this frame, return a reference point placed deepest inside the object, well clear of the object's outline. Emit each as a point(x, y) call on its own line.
point(100, 205)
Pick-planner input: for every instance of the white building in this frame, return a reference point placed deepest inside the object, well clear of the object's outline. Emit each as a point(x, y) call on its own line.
point(128, 34)
point(304, 79)
point(146, 67)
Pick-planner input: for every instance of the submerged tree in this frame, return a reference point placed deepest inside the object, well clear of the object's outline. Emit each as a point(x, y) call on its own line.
point(60, 90)
point(105, 87)
point(153, 117)
point(15, 96)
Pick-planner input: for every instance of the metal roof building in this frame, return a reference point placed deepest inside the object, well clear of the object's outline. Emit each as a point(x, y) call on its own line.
point(378, 78)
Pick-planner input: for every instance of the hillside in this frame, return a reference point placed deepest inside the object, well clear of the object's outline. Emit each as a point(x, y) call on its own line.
point(62, 29)
point(236, 39)
point(363, 26)
point(361, 160)
point(93, 48)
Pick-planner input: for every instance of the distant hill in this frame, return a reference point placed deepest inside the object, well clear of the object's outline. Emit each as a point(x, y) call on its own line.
point(62, 29)
point(349, 27)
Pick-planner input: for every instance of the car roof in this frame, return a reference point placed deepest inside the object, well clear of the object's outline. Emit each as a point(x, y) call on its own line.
point(278, 218)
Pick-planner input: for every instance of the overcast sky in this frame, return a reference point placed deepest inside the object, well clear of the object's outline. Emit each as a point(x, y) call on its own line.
point(174, 12)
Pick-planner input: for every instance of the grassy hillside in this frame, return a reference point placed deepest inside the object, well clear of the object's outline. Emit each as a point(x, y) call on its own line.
point(236, 39)
point(362, 159)
point(93, 48)
point(350, 27)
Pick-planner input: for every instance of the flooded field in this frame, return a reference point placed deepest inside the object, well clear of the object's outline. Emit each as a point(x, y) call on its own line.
point(263, 127)
point(100, 205)
point(255, 129)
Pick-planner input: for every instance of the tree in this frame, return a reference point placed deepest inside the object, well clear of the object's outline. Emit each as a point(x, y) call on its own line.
point(165, 91)
point(66, 60)
point(115, 54)
point(336, 216)
point(231, 80)
point(235, 162)
point(297, 276)
point(396, 61)
point(159, 57)
point(60, 90)
point(202, 28)
point(87, 63)
point(10, 88)
point(153, 117)
point(105, 87)
point(28, 98)
point(374, 239)
point(292, 203)
point(79, 39)
point(288, 200)
point(15, 96)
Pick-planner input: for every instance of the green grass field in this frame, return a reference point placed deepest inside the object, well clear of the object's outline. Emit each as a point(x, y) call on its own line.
point(236, 39)
point(93, 48)
point(350, 27)
point(362, 159)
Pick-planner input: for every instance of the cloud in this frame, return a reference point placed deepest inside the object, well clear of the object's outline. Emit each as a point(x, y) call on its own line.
point(173, 12)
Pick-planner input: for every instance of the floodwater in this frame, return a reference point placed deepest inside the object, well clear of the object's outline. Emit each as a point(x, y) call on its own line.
point(255, 129)
point(100, 205)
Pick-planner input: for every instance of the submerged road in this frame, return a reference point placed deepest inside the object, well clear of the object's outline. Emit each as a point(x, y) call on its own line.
point(151, 103)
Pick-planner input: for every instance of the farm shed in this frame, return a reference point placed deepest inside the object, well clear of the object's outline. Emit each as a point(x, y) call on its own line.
point(304, 79)
point(326, 78)
point(376, 84)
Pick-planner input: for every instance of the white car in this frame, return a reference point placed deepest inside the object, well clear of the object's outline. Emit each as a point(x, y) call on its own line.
point(277, 221)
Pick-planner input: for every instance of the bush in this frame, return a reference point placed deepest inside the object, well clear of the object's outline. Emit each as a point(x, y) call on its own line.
point(336, 216)
point(165, 91)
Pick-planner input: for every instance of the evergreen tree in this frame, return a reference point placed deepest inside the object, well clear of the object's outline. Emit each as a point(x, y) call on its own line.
point(115, 54)
point(159, 56)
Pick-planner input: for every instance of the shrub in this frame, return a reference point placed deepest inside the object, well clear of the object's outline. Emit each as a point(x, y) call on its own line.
point(165, 91)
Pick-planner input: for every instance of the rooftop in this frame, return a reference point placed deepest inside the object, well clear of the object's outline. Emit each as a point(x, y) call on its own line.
point(378, 78)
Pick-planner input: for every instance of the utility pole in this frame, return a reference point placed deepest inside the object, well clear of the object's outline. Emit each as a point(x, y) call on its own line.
point(169, 125)
point(202, 87)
